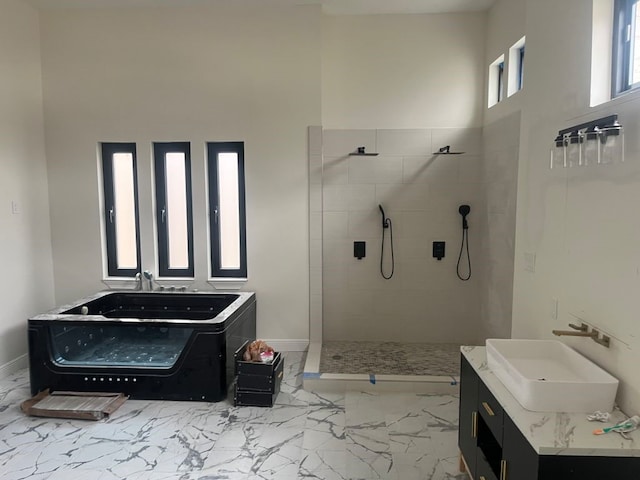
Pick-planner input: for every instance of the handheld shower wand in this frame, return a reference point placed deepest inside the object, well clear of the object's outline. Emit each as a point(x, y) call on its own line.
point(464, 211)
point(385, 220)
point(386, 224)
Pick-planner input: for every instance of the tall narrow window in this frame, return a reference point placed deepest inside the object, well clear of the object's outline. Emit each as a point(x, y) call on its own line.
point(500, 91)
point(520, 67)
point(121, 209)
point(174, 218)
point(496, 80)
point(227, 209)
point(626, 46)
point(515, 79)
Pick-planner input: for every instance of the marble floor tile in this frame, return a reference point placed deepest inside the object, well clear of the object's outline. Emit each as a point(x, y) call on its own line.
point(306, 435)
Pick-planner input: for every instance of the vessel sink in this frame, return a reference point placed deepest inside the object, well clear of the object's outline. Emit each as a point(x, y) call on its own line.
point(549, 376)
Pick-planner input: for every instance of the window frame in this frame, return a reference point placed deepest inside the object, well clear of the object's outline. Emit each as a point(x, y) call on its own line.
point(107, 152)
point(520, 79)
point(160, 150)
point(213, 150)
point(495, 87)
point(500, 82)
point(623, 44)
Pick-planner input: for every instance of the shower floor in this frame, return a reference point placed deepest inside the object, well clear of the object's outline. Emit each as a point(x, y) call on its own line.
point(390, 358)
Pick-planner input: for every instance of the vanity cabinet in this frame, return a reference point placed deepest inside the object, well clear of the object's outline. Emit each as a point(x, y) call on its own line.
point(493, 447)
point(468, 424)
point(490, 444)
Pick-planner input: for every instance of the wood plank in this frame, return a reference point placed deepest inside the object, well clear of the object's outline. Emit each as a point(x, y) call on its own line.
point(81, 405)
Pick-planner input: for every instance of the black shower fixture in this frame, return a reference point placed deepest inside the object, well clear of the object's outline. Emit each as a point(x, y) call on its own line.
point(464, 211)
point(386, 225)
point(385, 220)
point(446, 151)
point(360, 152)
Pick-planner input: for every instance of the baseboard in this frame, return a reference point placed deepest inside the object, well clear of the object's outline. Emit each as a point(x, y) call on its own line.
point(14, 365)
point(293, 345)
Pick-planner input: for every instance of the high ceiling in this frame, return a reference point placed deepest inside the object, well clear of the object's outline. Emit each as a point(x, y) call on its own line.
point(331, 7)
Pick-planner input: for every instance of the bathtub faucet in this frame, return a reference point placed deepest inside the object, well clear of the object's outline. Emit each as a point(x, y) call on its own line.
point(149, 276)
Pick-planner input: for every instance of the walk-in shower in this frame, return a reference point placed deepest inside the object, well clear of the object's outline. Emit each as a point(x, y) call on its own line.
point(396, 313)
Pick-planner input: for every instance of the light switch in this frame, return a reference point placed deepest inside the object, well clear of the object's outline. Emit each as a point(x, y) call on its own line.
point(15, 207)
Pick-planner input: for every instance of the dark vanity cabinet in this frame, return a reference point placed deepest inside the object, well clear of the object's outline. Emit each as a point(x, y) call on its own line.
point(468, 419)
point(490, 443)
point(493, 447)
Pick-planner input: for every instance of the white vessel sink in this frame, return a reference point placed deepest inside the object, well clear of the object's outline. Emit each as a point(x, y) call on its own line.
point(549, 376)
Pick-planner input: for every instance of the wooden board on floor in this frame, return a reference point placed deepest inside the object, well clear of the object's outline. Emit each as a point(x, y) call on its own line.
point(81, 405)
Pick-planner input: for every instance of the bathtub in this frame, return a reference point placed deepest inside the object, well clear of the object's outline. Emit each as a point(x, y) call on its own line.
point(148, 345)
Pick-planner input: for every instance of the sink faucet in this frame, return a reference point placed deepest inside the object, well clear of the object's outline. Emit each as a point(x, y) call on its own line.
point(583, 331)
point(573, 333)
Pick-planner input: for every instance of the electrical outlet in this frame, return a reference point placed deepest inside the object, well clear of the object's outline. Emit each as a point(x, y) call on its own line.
point(529, 262)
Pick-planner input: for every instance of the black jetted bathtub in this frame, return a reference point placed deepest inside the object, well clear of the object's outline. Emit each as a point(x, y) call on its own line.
point(148, 345)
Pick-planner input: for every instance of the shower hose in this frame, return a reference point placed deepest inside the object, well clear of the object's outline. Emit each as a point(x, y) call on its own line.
point(393, 264)
point(465, 242)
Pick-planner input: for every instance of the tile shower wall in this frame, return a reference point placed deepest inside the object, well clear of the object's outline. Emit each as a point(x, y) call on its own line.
point(420, 192)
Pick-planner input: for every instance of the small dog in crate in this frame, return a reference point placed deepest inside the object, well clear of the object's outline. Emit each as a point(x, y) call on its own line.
point(258, 351)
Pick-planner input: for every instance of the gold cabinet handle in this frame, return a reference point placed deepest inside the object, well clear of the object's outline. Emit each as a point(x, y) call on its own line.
point(482, 478)
point(503, 470)
point(474, 424)
point(488, 409)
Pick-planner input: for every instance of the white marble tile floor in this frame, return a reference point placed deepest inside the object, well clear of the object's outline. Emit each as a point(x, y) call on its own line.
point(306, 435)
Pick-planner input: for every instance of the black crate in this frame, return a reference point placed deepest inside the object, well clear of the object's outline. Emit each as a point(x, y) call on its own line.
point(268, 382)
point(251, 398)
point(257, 383)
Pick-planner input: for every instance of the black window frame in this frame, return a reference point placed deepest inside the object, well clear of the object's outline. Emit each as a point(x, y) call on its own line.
point(108, 150)
point(623, 43)
point(520, 67)
point(213, 150)
point(160, 150)
point(500, 81)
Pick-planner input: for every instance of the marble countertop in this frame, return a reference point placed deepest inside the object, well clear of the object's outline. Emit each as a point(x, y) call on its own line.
point(555, 433)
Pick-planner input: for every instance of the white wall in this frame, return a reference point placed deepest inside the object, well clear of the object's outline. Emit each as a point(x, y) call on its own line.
point(501, 141)
point(501, 144)
point(26, 286)
point(186, 74)
point(403, 71)
point(581, 224)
